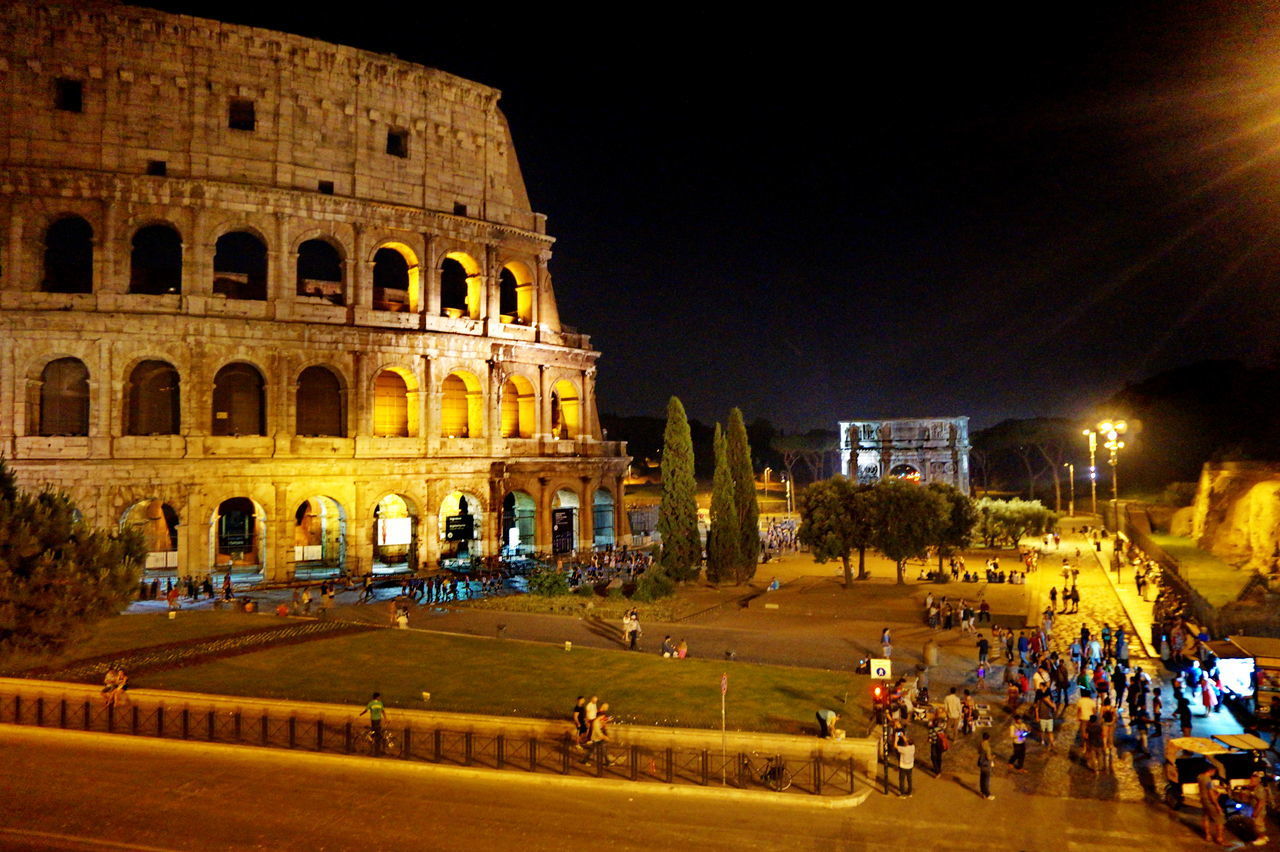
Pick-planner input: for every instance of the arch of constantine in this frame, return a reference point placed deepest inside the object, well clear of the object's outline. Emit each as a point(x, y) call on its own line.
point(282, 305)
point(923, 449)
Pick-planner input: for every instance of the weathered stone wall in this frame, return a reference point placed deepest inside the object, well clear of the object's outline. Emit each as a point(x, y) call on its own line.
point(1236, 514)
point(936, 447)
point(155, 88)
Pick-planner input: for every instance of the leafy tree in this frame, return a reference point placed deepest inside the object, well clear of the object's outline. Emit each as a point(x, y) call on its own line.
point(724, 551)
point(678, 512)
point(58, 575)
point(744, 497)
point(907, 519)
point(956, 534)
point(548, 582)
point(835, 517)
point(653, 584)
point(1007, 521)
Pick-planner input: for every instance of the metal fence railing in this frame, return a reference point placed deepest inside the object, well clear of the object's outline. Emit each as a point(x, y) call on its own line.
point(812, 775)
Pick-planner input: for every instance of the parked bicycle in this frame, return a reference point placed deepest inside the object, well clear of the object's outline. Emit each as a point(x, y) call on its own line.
point(366, 742)
point(772, 772)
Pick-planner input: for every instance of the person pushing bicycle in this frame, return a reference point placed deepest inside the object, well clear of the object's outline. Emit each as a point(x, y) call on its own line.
point(377, 712)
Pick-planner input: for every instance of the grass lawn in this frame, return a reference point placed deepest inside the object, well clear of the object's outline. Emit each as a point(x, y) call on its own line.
point(508, 678)
point(1217, 581)
point(125, 632)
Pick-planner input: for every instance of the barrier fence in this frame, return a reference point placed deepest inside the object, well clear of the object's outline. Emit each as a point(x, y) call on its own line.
point(813, 775)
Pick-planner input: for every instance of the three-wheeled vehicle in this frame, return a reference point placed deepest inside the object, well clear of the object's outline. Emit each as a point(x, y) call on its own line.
point(1235, 756)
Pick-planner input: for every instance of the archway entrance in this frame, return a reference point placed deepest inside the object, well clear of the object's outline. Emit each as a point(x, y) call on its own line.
point(519, 514)
point(395, 535)
point(905, 471)
point(461, 529)
point(319, 538)
point(238, 536)
point(602, 518)
point(157, 522)
point(564, 521)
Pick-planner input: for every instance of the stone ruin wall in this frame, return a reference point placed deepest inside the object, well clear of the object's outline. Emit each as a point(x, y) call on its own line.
point(1236, 514)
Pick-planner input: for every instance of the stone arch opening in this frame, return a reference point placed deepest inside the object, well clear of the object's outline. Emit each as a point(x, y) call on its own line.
point(393, 416)
point(461, 286)
point(602, 518)
point(68, 256)
point(395, 278)
point(905, 471)
point(564, 521)
point(153, 400)
point(320, 404)
point(155, 261)
point(395, 535)
point(240, 267)
point(461, 529)
point(515, 294)
point(519, 524)
point(157, 523)
point(566, 410)
point(239, 535)
point(63, 403)
point(319, 537)
point(519, 408)
point(321, 271)
point(239, 401)
point(461, 408)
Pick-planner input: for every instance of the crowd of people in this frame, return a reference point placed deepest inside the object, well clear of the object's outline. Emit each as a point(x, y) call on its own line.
point(778, 537)
point(591, 722)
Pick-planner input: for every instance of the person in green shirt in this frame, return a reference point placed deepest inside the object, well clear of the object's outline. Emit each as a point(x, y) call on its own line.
point(377, 712)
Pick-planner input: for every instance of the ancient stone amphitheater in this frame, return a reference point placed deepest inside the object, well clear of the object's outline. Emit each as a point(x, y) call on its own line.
point(282, 305)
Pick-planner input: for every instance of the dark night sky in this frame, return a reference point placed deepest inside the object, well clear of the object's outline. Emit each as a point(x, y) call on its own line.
point(894, 213)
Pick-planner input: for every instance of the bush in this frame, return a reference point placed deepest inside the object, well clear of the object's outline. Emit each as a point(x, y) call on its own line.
point(585, 590)
point(548, 582)
point(654, 584)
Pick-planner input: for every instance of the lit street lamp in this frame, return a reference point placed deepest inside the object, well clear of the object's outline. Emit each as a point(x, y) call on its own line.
point(1093, 467)
point(1113, 429)
point(767, 471)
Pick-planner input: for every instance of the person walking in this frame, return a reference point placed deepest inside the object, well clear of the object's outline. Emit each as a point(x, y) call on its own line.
point(1213, 819)
point(954, 710)
point(937, 743)
point(886, 643)
point(984, 767)
point(377, 712)
point(1046, 714)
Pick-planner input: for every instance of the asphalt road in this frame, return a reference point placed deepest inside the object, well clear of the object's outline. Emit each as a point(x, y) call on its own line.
point(75, 791)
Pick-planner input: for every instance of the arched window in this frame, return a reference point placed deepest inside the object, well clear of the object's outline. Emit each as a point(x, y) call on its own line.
point(239, 405)
point(518, 410)
point(155, 263)
point(240, 267)
point(515, 294)
point(602, 518)
point(320, 404)
point(566, 410)
point(453, 288)
point(64, 398)
point(390, 406)
point(320, 271)
point(453, 408)
point(390, 281)
point(152, 406)
point(68, 257)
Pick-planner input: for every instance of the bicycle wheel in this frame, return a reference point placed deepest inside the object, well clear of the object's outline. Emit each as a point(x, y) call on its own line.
point(362, 743)
point(390, 745)
point(777, 778)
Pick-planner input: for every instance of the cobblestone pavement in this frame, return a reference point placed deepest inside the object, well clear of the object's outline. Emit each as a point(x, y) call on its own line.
point(194, 652)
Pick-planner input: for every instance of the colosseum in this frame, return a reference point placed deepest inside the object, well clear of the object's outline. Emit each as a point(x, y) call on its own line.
point(282, 305)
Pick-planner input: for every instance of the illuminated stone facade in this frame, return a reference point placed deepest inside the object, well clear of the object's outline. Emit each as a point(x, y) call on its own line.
point(281, 303)
point(925, 449)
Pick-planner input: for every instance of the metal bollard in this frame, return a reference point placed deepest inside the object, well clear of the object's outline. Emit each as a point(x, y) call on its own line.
point(635, 763)
point(347, 737)
point(62, 712)
point(437, 746)
point(564, 764)
point(671, 768)
point(136, 722)
point(236, 723)
point(406, 744)
point(160, 721)
point(533, 754)
point(111, 718)
point(88, 716)
point(210, 724)
point(501, 749)
point(466, 749)
point(705, 766)
point(852, 777)
point(17, 710)
point(266, 730)
point(40, 711)
point(186, 723)
point(600, 758)
point(817, 775)
point(319, 734)
point(293, 732)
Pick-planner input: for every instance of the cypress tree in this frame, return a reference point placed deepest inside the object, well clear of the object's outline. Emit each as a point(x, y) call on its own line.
point(57, 574)
point(724, 557)
point(744, 497)
point(678, 513)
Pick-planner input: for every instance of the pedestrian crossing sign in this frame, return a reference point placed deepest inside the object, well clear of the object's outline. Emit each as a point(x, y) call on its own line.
point(881, 669)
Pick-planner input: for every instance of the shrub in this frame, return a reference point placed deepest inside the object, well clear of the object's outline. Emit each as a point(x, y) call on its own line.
point(548, 582)
point(654, 584)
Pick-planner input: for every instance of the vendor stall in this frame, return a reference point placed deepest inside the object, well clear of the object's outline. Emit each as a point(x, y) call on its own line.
point(1265, 655)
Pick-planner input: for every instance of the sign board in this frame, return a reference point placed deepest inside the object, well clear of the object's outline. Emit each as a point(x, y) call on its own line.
point(459, 528)
point(724, 684)
point(562, 531)
point(881, 669)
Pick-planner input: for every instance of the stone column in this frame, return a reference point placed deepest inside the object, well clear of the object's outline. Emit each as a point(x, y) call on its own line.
point(431, 405)
point(430, 276)
point(590, 420)
point(358, 280)
point(586, 515)
point(277, 265)
point(280, 539)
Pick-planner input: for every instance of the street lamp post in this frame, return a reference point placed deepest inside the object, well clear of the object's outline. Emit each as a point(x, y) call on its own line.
point(1113, 429)
point(767, 471)
point(1093, 468)
point(1071, 475)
